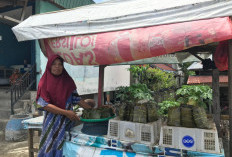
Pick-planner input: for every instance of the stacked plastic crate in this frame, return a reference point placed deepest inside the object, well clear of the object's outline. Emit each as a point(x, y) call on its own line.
point(134, 132)
point(193, 139)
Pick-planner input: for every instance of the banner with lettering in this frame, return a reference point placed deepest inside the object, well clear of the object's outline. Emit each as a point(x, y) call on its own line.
point(135, 44)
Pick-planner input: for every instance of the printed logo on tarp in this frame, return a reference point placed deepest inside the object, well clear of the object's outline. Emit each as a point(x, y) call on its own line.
point(188, 141)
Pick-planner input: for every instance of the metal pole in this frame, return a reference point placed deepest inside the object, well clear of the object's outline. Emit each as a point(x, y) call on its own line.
point(230, 92)
point(100, 84)
point(11, 102)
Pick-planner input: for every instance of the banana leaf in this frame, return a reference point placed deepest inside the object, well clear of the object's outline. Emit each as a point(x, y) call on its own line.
point(174, 116)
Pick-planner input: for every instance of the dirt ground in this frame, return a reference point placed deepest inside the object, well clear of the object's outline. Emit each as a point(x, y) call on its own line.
point(17, 149)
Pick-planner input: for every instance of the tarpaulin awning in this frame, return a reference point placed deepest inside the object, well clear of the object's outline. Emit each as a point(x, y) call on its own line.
point(136, 44)
point(117, 15)
point(128, 31)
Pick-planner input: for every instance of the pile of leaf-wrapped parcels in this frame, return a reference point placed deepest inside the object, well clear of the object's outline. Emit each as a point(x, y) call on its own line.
point(138, 112)
point(189, 116)
point(98, 113)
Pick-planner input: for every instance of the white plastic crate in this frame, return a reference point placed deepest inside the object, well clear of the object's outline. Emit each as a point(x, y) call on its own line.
point(209, 142)
point(129, 131)
point(149, 133)
point(113, 129)
point(194, 139)
point(134, 132)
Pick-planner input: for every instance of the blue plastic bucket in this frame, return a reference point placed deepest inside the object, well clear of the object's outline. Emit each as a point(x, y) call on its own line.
point(95, 128)
point(14, 128)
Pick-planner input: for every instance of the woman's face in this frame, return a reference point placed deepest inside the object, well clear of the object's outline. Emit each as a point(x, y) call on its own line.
point(57, 67)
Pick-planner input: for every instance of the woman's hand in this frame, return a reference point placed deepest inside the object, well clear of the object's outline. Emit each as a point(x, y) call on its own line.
point(71, 115)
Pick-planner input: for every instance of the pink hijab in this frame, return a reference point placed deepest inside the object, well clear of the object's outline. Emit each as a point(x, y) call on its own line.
point(55, 89)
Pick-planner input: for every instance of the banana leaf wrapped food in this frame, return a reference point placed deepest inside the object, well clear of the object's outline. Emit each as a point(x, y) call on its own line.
point(152, 114)
point(130, 112)
point(140, 113)
point(95, 114)
point(187, 116)
point(122, 111)
point(200, 118)
point(174, 116)
point(99, 113)
point(106, 112)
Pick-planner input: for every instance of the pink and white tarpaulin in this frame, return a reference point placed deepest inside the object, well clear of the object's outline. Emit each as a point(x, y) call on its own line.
point(134, 44)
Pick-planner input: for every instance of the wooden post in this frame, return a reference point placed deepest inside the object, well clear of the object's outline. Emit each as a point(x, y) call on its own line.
point(30, 142)
point(100, 84)
point(216, 100)
point(230, 92)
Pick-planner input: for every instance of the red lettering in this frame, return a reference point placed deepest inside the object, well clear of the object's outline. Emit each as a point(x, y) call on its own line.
point(53, 43)
point(91, 57)
point(64, 42)
point(67, 55)
point(71, 43)
point(76, 42)
point(78, 60)
point(67, 42)
point(58, 43)
point(85, 41)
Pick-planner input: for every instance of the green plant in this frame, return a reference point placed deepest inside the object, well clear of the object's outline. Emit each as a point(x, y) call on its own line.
point(134, 93)
point(195, 95)
point(186, 72)
point(165, 105)
point(159, 79)
point(155, 79)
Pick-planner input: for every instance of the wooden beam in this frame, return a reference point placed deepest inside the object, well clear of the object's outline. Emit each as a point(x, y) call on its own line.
point(216, 100)
point(100, 84)
point(203, 48)
point(24, 10)
point(194, 54)
point(230, 93)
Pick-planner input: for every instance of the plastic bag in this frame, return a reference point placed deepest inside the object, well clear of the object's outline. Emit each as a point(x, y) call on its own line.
point(221, 56)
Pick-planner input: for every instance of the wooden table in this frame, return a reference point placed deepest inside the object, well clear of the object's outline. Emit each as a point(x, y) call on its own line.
point(33, 124)
point(31, 148)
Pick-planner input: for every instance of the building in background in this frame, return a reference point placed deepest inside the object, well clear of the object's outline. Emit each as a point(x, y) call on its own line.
point(14, 53)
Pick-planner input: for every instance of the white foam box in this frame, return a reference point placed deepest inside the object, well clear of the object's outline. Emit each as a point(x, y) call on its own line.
point(113, 129)
point(194, 139)
point(129, 131)
point(149, 133)
point(134, 132)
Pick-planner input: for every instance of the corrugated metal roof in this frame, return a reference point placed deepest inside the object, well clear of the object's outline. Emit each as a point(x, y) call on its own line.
point(165, 67)
point(72, 3)
point(205, 79)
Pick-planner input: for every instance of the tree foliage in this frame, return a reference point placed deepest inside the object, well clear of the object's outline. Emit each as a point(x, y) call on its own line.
point(195, 95)
point(154, 78)
point(134, 93)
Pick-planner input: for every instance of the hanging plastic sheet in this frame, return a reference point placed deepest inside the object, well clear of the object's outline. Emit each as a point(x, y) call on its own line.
point(221, 56)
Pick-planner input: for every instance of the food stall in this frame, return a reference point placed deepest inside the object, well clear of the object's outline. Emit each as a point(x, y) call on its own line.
point(110, 33)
